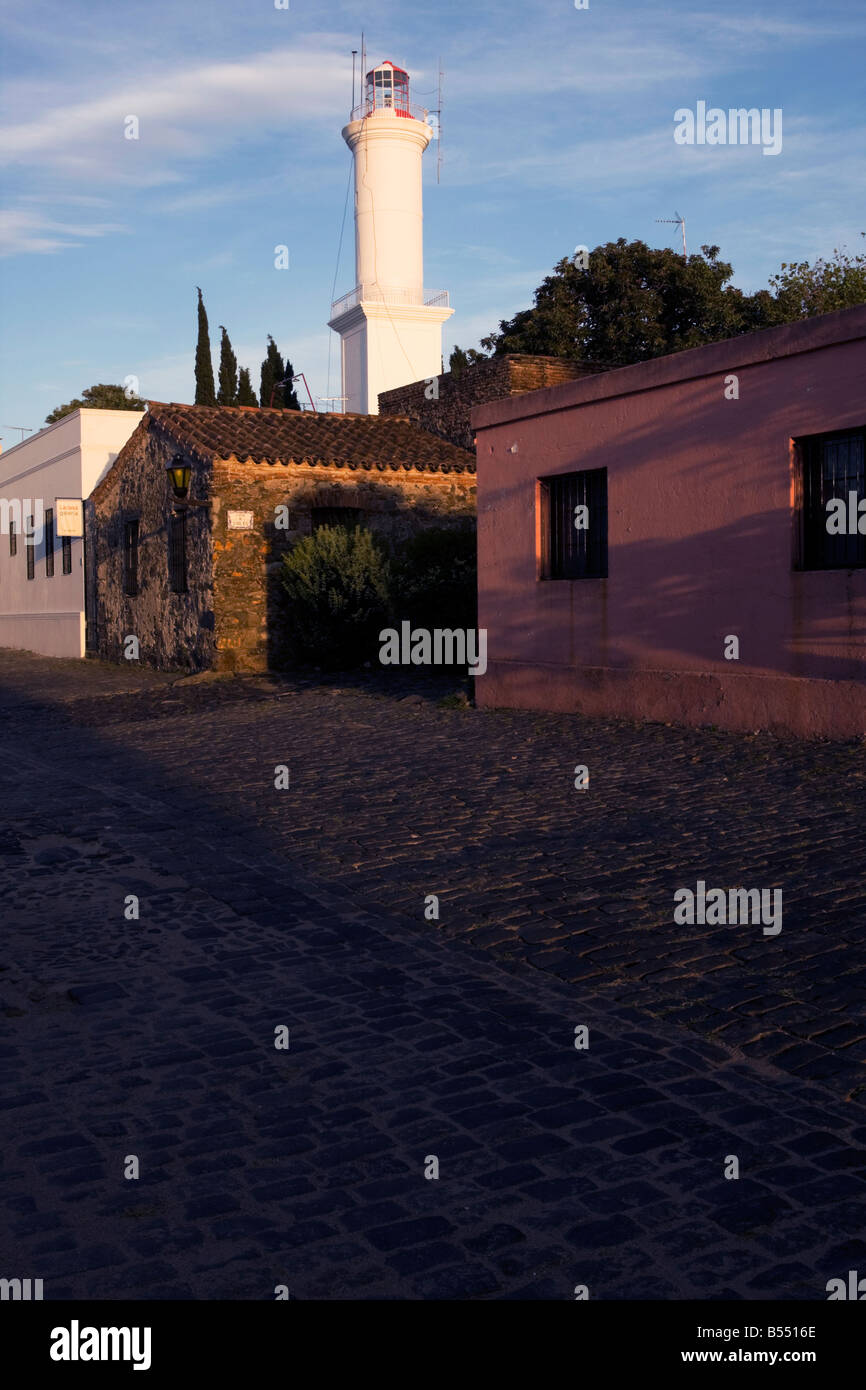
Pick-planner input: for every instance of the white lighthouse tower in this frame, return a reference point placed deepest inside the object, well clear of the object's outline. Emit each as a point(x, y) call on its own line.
point(390, 327)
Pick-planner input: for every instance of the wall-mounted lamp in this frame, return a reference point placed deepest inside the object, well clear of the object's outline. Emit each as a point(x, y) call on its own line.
point(179, 474)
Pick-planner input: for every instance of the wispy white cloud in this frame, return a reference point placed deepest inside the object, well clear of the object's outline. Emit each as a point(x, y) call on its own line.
point(183, 113)
point(25, 230)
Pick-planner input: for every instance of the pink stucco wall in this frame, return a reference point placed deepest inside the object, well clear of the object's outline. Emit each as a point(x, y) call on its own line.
point(700, 540)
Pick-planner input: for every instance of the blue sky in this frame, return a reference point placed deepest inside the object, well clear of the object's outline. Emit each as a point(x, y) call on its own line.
point(557, 131)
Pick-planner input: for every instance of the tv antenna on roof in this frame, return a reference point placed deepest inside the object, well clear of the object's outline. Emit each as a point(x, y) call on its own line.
point(676, 221)
point(24, 429)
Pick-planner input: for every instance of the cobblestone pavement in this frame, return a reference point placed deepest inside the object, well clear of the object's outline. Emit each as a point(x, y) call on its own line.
point(411, 1039)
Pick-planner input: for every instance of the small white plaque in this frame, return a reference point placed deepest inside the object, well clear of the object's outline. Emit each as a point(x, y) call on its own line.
point(240, 521)
point(68, 516)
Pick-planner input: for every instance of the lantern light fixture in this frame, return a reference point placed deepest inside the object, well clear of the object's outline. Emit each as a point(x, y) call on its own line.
point(179, 474)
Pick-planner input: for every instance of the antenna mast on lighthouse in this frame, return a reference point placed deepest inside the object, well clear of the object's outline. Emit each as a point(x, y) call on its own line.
point(439, 126)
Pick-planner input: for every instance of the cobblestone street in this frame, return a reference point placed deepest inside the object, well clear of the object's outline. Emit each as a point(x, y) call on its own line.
point(410, 1038)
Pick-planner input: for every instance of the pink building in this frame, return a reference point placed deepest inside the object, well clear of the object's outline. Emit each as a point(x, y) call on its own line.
point(685, 539)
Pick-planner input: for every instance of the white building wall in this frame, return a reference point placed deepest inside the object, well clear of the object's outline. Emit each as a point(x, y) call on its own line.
point(402, 345)
point(66, 459)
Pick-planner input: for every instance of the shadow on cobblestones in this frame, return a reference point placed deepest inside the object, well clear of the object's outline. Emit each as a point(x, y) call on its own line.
point(154, 1036)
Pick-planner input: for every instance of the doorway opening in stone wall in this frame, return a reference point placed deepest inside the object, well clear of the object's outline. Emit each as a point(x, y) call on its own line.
point(91, 643)
point(337, 516)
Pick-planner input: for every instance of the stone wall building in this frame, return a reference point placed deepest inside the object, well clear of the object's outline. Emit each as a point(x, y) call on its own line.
point(196, 582)
point(443, 404)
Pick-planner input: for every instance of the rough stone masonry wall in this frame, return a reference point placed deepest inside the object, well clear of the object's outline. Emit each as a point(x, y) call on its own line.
point(248, 601)
point(454, 397)
point(175, 631)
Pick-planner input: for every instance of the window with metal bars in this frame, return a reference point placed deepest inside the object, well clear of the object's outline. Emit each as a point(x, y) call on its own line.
point(177, 553)
point(13, 539)
point(574, 525)
point(832, 466)
point(66, 553)
point(30, 549)
point(130, 558)
point(49, 542)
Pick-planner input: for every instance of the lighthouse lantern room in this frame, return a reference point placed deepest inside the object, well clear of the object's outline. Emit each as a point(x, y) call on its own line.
point(388, 89)
point(390, 326)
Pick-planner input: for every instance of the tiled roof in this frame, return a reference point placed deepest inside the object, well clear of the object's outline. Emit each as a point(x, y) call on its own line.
point(380, 442)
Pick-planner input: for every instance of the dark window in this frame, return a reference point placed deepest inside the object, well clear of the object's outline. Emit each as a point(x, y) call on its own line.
point(574, 543)
point(66, 550)
point(49, 542)
point(336, 516)
point(13, 539)
point(130, 558)
point(832, 467)
point(177, 553)
point(30, 549)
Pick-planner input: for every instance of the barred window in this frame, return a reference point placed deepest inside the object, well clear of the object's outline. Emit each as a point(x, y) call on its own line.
point(130, 558)
point(66, 551)
point(30, 549)
point(49, 542)
point(574, 525)
point(831, 526)
point(13, 539)
point(177, 553)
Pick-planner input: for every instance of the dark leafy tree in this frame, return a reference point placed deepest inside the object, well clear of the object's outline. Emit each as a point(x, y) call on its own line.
point(228, 372)
point(204, 387)
point(271, 393)
point(629, 302)
point(460, 359)
point(337, 593)
point(803, 290)
point(99, 397)
point(276, 385)
point(290, 395)
point(246, 394)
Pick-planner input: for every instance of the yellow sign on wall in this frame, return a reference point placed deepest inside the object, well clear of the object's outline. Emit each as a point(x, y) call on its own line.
point(68, 516)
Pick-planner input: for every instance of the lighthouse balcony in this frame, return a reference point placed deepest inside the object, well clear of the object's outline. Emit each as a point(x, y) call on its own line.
point(378, 294)
point(377, 107)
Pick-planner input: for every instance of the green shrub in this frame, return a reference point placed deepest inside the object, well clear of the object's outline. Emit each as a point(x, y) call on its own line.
point(436, 579)
point(337, 587)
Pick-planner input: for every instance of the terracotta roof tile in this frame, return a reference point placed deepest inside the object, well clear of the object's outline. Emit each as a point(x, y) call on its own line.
point(381, 442)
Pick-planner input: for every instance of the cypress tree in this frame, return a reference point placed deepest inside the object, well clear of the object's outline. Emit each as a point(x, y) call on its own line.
point(204, 387)
point(228, 373)
point(290, 395)
point(272, 372)
point(246, 394)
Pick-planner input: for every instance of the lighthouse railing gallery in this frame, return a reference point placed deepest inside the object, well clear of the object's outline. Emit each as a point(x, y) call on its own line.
point(377, 294)
point(371, 107)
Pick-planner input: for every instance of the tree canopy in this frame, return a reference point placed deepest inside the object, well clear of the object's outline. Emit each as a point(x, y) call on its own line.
point(627, 302)
point(276, 387)
point(803, 290)
point(246, 393)
point(228, 372)
point(204, 387)
point(100, 397)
